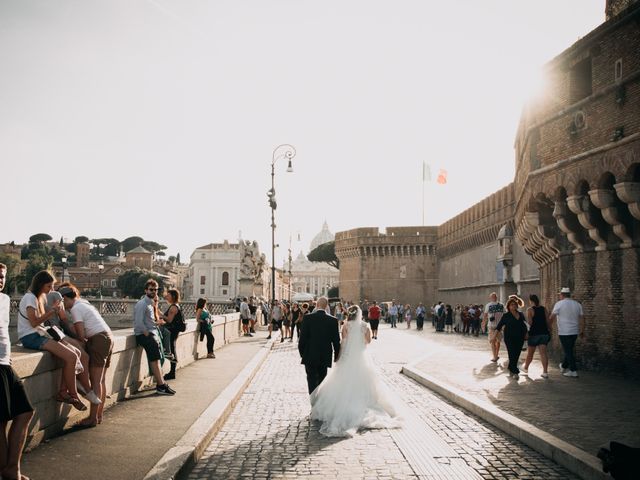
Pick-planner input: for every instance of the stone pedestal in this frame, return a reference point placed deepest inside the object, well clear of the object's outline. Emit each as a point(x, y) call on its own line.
point(247, 287)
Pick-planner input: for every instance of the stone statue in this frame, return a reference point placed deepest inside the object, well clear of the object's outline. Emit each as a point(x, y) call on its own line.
point(251, 261)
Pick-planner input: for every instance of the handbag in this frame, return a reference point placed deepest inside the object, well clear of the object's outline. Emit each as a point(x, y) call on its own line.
point(56, 333)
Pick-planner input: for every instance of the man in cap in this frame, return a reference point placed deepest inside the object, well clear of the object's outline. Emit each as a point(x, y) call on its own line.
point(571, 323)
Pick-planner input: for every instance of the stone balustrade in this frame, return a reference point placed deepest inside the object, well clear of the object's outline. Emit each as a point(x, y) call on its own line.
point(128, 373)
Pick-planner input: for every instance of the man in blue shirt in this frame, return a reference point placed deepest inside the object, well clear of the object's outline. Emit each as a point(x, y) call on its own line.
point(147, 335)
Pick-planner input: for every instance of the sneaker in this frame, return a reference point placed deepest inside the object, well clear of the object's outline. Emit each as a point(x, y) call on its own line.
point(169, 376)
point(269, 337)
point(211, 355)
point(281, 339)
point(544, 375)
point(571, 373)
point(562, 369)
point(164, 389)
point(525, 371)
point(92, 397)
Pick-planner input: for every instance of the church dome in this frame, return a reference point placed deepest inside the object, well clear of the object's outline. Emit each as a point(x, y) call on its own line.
point(323, 237)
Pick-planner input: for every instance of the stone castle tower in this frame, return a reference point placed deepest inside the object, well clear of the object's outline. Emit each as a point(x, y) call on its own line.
point(377, 266)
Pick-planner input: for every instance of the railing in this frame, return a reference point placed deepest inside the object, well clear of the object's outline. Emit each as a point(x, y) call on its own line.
point(124, 307)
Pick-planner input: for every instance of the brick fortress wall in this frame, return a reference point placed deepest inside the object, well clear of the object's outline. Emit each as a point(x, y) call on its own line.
point(577, 187)
point(477, 254)
point(399, 264)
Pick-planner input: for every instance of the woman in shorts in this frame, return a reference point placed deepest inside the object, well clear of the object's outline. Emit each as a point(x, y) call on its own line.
point(539, 334)
point(31, 316)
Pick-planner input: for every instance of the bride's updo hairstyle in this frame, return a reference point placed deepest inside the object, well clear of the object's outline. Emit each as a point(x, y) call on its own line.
point(352, 313)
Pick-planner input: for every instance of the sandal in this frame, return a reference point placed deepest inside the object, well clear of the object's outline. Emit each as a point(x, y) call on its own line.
point(75, 401)
point(63, 397)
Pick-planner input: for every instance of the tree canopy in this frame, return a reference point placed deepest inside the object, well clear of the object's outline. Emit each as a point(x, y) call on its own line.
point(131, 283)
point(40, 238)
point(325, 253)
point(81, 239)
point(130, 243)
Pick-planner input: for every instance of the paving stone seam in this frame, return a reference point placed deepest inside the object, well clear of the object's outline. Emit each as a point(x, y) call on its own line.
point(193, 443)
point(574, 459)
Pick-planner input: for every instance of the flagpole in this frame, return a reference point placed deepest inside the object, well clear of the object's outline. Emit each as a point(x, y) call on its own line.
point(423, 182)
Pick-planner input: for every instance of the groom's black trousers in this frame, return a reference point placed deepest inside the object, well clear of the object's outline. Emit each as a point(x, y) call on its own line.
point(315, 376)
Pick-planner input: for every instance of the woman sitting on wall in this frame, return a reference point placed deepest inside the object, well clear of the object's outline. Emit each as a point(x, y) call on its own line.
point(32, 335)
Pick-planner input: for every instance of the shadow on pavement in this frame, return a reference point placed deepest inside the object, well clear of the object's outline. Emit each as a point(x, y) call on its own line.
point(276, 452)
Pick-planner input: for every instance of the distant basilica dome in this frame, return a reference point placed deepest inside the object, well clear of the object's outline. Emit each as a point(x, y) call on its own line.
point(323, 237)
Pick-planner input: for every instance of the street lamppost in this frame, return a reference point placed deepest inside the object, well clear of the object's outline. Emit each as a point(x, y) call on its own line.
point(287, 151)
point(100, 269)
point(64, 267)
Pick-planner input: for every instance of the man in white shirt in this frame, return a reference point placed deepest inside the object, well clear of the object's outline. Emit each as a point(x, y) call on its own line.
point(571, 323)
point(492, 314)
point(14, 403)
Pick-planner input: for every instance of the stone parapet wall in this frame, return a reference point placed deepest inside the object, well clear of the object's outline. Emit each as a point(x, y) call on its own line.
point(128, 373)
point(477, 225)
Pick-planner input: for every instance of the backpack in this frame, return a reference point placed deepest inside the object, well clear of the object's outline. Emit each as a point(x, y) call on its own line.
point(178, 322)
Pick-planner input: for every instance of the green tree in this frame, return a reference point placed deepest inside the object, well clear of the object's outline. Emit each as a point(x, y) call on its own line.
point(178, 258)
point(14, 281)
point(81, 239)
point(38, 260)
point(131, 283)
point(131, 243)
point(40, 238)
point(153, 246)
point(325, 253)
point(172, 259)
point(112, 247)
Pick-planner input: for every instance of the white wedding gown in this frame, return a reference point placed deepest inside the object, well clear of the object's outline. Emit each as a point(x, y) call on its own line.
point(352, 397)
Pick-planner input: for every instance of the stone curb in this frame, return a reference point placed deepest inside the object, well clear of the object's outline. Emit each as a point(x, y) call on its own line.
point(189, 449)
point(574, 459)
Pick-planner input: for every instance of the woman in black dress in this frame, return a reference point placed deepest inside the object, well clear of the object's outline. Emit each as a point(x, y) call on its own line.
point(539, 335)
point(515, 330)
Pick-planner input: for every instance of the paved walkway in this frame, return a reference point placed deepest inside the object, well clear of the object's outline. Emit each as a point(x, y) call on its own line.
point(269, 434)
point(587, 412)
point(138, 431)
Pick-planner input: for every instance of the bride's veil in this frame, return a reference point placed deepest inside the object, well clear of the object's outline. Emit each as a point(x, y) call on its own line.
point(354, 341)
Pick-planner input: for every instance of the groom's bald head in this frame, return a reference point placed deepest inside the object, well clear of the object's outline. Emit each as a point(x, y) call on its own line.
point(322, 303)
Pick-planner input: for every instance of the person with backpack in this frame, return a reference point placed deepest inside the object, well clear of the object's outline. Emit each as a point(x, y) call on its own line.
point(175, 324)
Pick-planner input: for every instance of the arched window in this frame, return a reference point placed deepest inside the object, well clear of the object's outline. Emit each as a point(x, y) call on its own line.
point(225, 278)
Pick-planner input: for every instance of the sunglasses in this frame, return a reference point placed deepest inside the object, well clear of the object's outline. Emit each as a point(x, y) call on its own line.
point(152, 289)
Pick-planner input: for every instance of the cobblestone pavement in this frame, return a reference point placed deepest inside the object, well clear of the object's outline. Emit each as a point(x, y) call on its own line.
point(269, 434)
point(570, 408)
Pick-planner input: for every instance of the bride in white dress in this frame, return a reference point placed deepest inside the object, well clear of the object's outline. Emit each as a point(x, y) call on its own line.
point(352, 396)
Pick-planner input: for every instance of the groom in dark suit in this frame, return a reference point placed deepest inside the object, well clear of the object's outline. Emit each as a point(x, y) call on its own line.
point(319, 333)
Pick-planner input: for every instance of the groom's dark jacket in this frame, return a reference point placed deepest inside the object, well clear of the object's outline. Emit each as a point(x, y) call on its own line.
point(319, 332)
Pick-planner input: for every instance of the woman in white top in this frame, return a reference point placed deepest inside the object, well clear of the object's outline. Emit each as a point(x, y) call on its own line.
point(32, 335)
